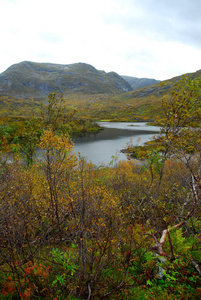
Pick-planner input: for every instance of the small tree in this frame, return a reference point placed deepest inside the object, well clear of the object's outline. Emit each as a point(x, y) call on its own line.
point(182, 116)
point(29, 138)
point(181, 139)
point(56, 114)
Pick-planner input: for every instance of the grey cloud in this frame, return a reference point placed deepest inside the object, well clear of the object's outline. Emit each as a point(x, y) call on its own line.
point(179, 9)
point(177, 20)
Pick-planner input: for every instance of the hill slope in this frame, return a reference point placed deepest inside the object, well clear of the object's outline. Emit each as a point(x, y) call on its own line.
point(95, 94)
point(143, 104)
point(138, 83)
point(39, 79)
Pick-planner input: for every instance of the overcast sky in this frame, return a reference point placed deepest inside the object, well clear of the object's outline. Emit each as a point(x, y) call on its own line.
point(142, 38)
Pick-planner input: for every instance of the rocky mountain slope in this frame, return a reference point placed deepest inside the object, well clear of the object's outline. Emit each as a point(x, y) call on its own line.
point(39, 79)
point(138, 83)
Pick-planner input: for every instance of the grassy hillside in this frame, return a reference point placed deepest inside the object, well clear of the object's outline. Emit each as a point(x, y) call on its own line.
point(143, 104)
point(138, 105)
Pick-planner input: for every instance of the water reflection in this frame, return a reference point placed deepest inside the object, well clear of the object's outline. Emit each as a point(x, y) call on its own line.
point(100, 147)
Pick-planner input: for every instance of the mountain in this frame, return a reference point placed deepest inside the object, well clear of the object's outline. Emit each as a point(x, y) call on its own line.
point(138, 83)
point(95, 94)
point(144, 104)
point(39, 79)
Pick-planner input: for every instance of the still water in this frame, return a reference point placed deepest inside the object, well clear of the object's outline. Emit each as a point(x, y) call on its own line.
point(99, 148)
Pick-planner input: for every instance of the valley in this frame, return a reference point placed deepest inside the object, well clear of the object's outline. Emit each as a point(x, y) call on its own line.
point(75, 229)
point(94, 94)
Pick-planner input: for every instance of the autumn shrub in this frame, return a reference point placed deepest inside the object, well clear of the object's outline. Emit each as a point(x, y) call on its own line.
point(70, 230)
point(103, 243)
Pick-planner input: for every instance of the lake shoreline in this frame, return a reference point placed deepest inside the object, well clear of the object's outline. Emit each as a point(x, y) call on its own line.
point(100, 148)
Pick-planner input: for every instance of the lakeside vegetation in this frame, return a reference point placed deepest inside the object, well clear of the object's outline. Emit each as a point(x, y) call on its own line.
point(180, 122)
point(72, 230)
point(23, 133)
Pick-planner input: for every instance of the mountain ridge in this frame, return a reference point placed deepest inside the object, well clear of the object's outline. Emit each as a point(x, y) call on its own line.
point(137, 83)
point(39, 79)
point(94, 94)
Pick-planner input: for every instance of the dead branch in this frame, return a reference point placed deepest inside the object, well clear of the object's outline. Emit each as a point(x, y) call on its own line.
point(159, 245)
point(196, 267)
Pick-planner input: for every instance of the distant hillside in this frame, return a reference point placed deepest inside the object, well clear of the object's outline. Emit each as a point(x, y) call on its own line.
point(144, 104)
point(39, 79)
point(138, 83)
point(95, 94)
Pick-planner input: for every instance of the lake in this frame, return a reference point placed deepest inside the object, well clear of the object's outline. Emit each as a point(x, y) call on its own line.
point(100, 147)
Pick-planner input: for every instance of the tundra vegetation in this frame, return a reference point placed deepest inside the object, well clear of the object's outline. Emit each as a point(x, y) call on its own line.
point(73, 230)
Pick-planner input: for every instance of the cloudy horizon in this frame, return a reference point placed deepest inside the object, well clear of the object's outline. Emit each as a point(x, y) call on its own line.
point(139, 38)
